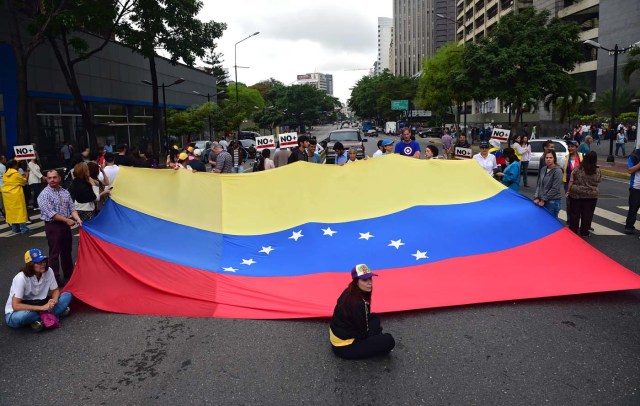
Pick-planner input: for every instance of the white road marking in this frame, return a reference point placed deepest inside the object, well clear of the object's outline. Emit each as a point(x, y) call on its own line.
point(597, 228)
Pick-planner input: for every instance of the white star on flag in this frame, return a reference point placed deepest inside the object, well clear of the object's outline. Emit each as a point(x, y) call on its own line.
point(420, 255)
point(296, 235)
point(266, 250)
point(396, 244)
point(365, 236)
point(249, 261)
point(229, 269)
point(328, 231)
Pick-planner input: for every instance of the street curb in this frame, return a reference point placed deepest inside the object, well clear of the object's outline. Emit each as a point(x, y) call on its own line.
point(614, 174)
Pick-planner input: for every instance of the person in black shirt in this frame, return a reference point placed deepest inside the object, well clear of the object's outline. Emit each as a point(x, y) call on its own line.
point(300, 153)
point(355, 332)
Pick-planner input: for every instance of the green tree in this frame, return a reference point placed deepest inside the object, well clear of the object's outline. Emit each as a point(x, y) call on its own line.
point(632, 65)
point(265, 85)
point(602, 103)
point(172, 26)
point(568, 101)
point(300, 105)
point(527, 56)
point(36, 19)
point(372, 95)
point(443, 82)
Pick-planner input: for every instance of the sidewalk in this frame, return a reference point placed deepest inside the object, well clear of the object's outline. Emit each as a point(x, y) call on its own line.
point(619, 167)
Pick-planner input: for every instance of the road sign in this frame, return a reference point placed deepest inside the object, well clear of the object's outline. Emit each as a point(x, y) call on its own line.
point(399, 104)
point(288, 140)
point(420, 113)
point(23, 152)
point(463, 153)
point(500, 134)
point(265, 142)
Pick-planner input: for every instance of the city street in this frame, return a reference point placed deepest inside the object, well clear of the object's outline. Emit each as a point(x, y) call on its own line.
point(574, 350)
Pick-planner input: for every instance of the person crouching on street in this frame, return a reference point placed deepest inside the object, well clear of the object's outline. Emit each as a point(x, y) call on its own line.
point(355, 332)
point(34, 296)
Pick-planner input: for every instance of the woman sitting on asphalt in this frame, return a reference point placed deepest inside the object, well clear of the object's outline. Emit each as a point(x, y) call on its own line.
point(549, 188)
point(34, 291)
point(355, 332)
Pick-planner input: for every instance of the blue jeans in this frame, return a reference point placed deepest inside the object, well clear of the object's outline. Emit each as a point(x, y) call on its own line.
point(20, 228)
point(237, 169)
point(26, 317)
point(553, 207)
point(618, 147)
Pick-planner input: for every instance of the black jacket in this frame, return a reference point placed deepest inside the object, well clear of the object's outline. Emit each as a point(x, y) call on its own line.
point(82, 192)
point(350, 317)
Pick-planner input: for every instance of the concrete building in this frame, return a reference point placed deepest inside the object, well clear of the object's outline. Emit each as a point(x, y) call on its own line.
point(111, 84)
point(385, 33)
point(418, 33)
point(322, 81)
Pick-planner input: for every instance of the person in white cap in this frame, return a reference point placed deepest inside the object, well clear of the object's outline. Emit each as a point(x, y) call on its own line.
point(34, 290)
point(355, 332)
point(196, 164)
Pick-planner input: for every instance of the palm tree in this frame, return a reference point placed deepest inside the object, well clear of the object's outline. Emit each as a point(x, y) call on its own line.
point(623, 101)
point(568, 102)
point(632, 65)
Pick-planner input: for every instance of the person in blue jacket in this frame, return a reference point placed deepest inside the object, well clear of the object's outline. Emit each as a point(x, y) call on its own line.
point(511, 175)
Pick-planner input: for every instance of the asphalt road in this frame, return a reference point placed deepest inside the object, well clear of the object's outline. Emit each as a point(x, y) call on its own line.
point(574, 350)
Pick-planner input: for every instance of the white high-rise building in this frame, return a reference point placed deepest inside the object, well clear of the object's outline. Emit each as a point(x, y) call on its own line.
point(322, 81)
point(385, 33)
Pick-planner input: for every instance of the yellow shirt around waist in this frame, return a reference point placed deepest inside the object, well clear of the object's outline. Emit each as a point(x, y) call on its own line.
point(339, 342)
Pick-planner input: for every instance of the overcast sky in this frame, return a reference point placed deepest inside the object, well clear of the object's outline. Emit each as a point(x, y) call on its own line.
point(297, 37)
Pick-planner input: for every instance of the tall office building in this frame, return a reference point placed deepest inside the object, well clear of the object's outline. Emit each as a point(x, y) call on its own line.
point(385, 32)
point(321, 81)
point(418, 33)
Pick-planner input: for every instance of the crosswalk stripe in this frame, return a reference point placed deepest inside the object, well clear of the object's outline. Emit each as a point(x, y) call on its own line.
point(625, 208)
point(597, 228)
point(609, 215)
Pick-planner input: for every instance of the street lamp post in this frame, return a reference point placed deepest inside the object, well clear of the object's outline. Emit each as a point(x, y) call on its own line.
point(615, 52)
point(164, 108)
point(235, 67)
point(208, 96)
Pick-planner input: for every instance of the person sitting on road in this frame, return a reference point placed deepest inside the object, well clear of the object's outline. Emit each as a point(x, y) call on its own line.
point(354, 331)
point(34, 291)
point(341, 155)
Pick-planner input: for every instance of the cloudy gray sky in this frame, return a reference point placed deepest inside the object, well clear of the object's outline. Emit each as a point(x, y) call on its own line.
point(296, 37)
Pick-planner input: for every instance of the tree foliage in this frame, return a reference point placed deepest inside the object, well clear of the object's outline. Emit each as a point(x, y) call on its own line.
point(528, 56)
point(602, 104)
point(568, 101)
point(632, 65)
point(443, 82)
point(299, 105)
point(372, 95)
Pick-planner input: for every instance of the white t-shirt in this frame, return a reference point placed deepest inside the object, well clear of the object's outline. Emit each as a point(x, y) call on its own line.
point(111, 171)
point(30, 288)
point(488, 163)
point(268, 164)
point(378, 153)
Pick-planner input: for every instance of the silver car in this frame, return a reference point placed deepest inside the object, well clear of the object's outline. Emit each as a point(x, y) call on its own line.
point(537, 150)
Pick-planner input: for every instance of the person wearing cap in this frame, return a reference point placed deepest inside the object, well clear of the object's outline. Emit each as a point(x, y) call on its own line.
point(571, 162)
point(224, 161)
point(196, 164)
point(486, 160)
point(183, 161)
point(388, 147)
point(408, 147)
point(172, 157)
point(510, 176)
point(33, 290)
point(355, 332)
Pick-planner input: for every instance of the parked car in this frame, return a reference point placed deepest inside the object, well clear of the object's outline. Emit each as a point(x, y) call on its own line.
point(430, 132)
point(349, 138)
point(372, 133)
point(536, 153)
point(205, 146)
point(248, 135)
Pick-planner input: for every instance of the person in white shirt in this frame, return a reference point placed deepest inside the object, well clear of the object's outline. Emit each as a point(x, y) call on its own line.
point(380, 150)
point(486, 160)
point(110, 168)
point(35, 181)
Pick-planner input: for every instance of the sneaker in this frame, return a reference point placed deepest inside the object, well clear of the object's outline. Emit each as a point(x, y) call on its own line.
point(37, 326)
point(66, 312)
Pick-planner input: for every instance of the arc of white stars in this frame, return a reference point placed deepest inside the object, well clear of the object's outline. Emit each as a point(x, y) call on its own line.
point(396, 244)
point(366, 236)
point(249, 261)
point(328, 231)
point(420, 255)
point(229, 269)
point(267, 250)
point(296, 235)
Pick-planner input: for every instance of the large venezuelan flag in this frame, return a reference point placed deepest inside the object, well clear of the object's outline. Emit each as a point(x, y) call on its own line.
point(281, 243)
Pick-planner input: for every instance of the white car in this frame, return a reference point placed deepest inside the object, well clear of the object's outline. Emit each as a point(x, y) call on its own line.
point(536, 153)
